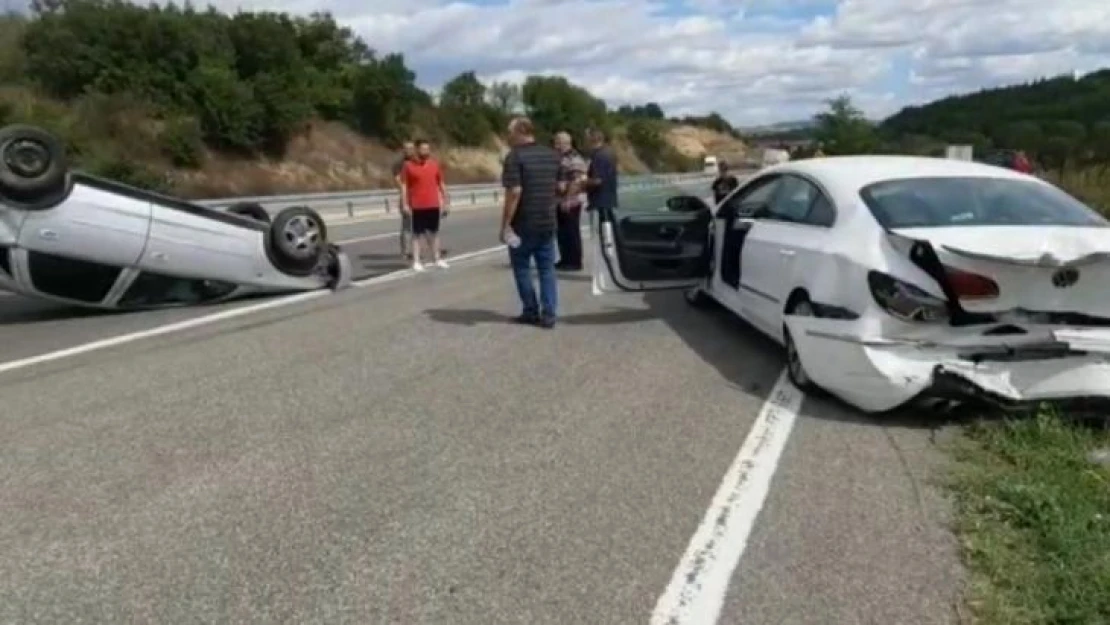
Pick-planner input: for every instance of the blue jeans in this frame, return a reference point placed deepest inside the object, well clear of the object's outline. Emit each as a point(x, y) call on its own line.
point(542, 249)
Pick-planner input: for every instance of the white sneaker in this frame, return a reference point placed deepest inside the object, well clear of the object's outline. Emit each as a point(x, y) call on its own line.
point(418, 266)
point(442, 264)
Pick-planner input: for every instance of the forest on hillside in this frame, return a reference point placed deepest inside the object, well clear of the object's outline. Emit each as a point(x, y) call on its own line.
point(128, 85)
point(1062, 123)
point(1059, 120)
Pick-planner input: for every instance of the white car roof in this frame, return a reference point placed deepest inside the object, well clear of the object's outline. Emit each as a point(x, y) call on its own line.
point(851, 173)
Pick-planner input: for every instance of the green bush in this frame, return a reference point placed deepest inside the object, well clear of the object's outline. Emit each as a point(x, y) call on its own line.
point(182, 141)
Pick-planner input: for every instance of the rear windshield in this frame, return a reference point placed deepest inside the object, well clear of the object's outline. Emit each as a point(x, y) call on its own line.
point(967, 201)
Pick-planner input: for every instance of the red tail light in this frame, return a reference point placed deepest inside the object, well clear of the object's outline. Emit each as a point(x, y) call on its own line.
point(969, 285)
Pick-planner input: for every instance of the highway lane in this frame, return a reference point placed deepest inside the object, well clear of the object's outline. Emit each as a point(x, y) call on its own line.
point(30, 327)
point(400, 453)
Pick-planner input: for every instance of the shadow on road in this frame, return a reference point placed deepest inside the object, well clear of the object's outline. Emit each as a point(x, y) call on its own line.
point(727, 342)
point(474, 317)
point(17, 309)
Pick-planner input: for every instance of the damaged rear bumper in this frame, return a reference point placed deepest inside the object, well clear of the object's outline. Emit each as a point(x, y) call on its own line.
point(876, 373)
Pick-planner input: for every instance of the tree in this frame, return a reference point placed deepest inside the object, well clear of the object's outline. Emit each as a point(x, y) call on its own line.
point(505, 98)
point(463, 110)
point(555, 104)
point(385, 96)
point(464, 90)
point(651, 110)
point(843, 129)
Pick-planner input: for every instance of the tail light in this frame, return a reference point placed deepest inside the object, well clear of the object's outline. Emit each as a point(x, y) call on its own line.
point(905, 301)
point(970, 286)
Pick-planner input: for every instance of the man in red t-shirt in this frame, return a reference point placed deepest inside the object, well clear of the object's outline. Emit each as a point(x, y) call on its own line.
point(425, 198)
point(1022, 163)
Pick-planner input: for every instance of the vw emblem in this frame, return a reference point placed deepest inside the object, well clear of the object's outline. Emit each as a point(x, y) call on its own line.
point(1065, 277)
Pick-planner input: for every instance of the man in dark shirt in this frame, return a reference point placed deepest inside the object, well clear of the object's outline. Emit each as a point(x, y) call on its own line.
point(601, 175)
point(408, 153)
point(724, 184)
point(530, 176)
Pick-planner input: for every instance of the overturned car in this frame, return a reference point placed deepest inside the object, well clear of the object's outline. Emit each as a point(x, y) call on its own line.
point(82, 240)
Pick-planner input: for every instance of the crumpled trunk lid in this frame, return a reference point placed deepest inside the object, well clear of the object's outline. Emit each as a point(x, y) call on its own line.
point(1051, 269)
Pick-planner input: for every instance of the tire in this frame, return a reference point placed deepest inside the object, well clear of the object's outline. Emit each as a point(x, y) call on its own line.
point(34, 170)
point(250, 209)
point(795, 368)
point(298, 240)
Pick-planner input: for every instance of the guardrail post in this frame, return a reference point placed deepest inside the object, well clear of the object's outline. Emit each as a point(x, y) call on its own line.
point(473, 198)
point(350, 209)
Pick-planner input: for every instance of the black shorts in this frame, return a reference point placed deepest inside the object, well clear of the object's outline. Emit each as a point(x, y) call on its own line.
point(425, 221)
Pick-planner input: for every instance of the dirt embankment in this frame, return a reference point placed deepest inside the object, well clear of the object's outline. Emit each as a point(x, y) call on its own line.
point(332, 157)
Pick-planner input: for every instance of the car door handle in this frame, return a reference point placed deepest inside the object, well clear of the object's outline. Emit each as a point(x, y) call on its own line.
point(786, 252)
point(671, 231)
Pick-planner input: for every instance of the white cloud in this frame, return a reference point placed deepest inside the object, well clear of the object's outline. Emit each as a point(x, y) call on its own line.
point(752, 60)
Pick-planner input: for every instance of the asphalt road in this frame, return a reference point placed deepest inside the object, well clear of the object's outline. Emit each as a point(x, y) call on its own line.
point(399, 453)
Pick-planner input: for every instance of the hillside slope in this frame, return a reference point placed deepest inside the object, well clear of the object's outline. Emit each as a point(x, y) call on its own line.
point(330, 156)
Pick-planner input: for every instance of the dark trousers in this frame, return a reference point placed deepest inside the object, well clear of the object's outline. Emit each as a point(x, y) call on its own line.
point(569, 235)
point(540, 248)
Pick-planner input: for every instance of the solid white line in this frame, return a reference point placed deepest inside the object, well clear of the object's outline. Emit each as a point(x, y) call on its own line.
point(224, 315)
point(698, 586)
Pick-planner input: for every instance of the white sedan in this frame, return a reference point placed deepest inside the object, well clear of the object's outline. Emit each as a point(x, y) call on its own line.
point(891, 279)
point(81, 240)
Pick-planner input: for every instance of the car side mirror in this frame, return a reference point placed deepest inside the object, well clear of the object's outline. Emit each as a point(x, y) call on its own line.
point(686, 204)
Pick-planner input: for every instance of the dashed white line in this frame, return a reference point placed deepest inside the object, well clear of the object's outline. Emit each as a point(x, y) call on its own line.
point(698, 586)
point(224, 315)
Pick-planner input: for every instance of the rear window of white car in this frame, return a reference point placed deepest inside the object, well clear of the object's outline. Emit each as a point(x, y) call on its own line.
point(967, 201)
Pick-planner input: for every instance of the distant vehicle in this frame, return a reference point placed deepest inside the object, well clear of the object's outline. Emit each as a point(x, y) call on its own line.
point(772, 156)
point(78, 239)
point(892, 279)
point(1010, 159)
point(709, 165)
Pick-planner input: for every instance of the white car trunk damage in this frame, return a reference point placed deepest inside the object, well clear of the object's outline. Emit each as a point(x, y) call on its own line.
point(1041, 269)
point(1037, 336)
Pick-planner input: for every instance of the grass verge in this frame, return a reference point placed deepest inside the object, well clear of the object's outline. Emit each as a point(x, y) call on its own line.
point(1033, 518)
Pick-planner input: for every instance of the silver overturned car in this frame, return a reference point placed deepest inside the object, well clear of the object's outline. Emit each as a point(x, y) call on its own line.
point(78, 239)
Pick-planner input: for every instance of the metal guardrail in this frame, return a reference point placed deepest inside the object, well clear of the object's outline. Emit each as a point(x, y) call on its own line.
point(356, 203)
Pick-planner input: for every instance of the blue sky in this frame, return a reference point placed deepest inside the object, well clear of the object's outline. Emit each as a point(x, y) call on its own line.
point(755, 61)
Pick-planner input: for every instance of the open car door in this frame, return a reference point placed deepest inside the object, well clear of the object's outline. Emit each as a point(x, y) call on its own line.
point(652, 244)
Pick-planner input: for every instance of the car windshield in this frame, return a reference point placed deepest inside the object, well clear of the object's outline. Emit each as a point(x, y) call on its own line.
point(974, 201)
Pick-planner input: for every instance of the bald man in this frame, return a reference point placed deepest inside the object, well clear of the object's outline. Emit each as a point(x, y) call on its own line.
point(572, 171)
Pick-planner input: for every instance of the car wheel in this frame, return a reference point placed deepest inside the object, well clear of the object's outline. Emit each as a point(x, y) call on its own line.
point(298, 238)
point(33, 167)
point(253, 210)
point(697, 297)
point(795, 368)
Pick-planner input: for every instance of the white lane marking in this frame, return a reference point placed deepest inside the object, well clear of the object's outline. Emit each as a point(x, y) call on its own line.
point(698, 586)
point(224, 315)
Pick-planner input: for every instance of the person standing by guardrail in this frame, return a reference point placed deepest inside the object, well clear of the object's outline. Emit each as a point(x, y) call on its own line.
point(530, 176)
point(724, 183)
point(425, 199)
point(601, 176)
point(572, 170)
point(408, 152)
